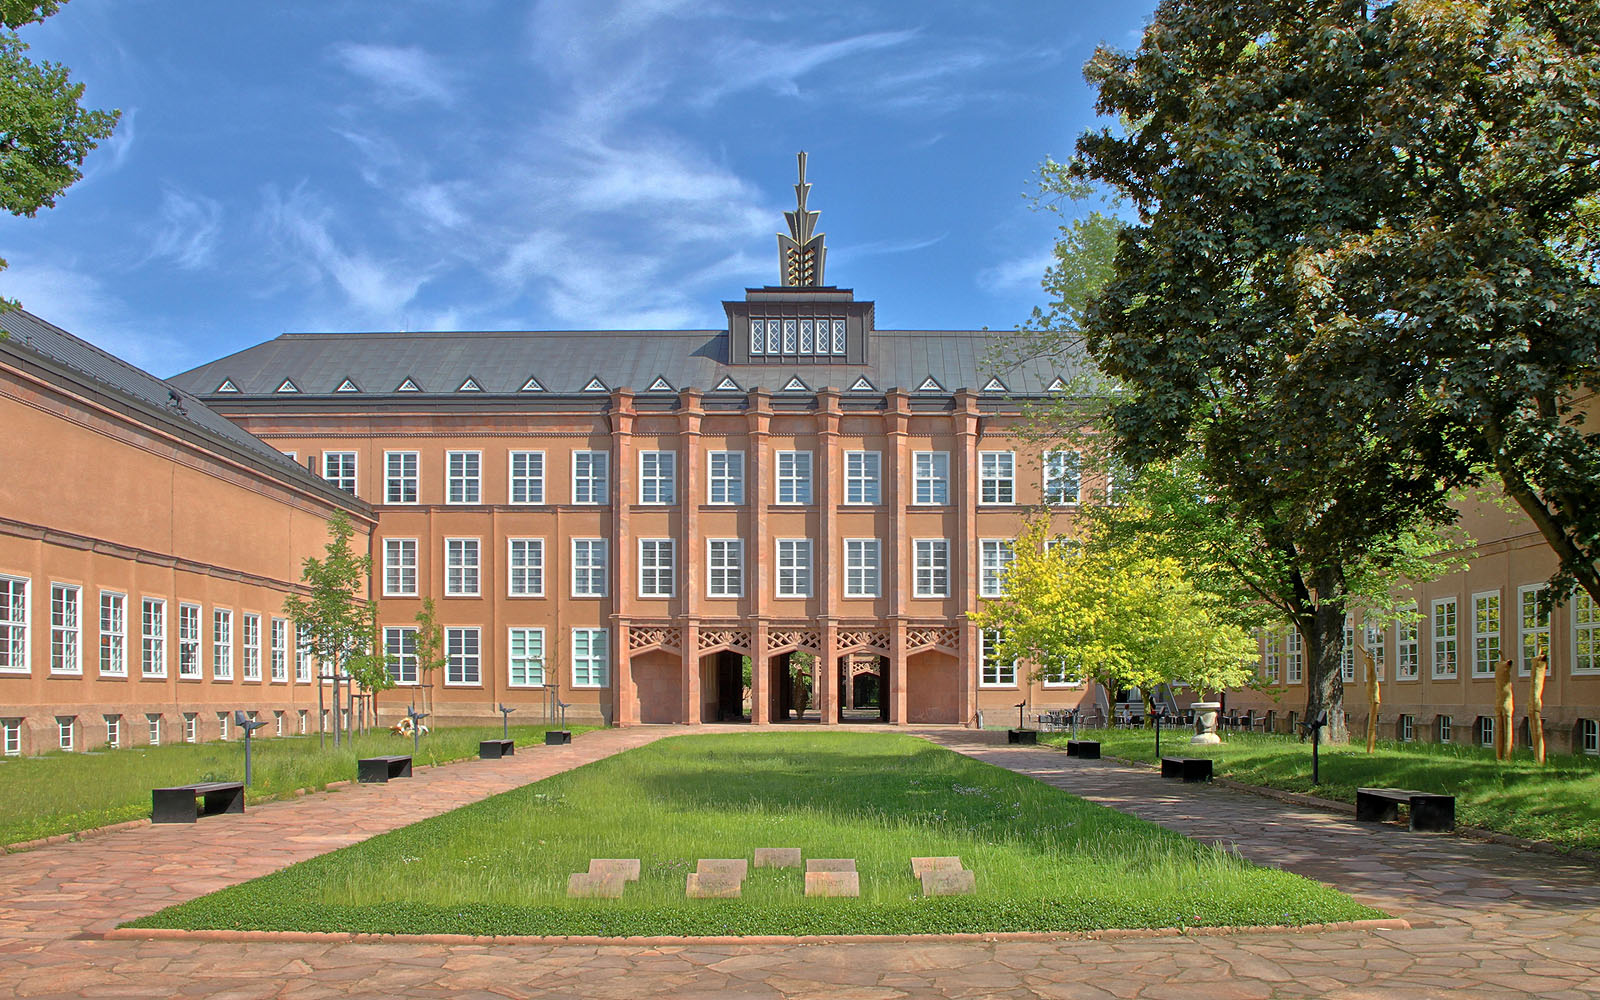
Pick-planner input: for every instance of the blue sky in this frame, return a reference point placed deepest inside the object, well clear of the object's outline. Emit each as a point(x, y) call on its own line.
point(568, 164)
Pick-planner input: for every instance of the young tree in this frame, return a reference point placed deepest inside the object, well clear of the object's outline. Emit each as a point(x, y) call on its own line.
point(430, 650)
point(339, 623)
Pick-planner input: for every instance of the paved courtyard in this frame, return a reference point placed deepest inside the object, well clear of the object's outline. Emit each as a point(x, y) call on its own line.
point(1487, 920)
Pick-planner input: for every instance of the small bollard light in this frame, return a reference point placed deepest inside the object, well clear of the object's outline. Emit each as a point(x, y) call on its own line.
point(1159, 712)
point(416, 718)
point(243, 722)
point(505, 721)
point(1315, 729)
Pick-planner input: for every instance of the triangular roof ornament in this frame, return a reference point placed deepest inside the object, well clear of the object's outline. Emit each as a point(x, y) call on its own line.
point(348, 385)
point(795, 385)
point(930, 384)
point(409, 385)
point(1059, 385)
point(532, 385)
point(595, 385)
point(227, 386)
point(661, 385)
point(863, 384)
point(727, 385)
point(287, 385)
point(470, 385)
point(995, 385)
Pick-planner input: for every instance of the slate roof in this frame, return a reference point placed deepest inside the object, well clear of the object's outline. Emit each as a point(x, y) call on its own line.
point(564, 362)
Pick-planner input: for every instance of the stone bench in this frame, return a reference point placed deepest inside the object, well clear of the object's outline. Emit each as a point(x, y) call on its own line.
point(495, 749)
point(1029, 737)
point(380, 769)
point(1187, 768)
point(557, 737)
point(177, 804)
point(1429, 812)
point(1086, 749)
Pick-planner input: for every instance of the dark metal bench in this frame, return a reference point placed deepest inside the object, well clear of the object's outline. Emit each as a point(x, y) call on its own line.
point(1086, 749)
point(495, 749)
point(1187, 768)
point(177, 804)
point(1028, 736)
point(370, 769)
point(1430, 812)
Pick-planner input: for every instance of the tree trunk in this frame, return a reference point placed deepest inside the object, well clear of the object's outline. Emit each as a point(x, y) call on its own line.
point(1536, 706)
point(1504, 712)
point(1374, 697)
point(1324, 639)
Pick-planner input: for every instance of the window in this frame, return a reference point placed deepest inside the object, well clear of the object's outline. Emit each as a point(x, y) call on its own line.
point(658, 477)
point(280, 650)
point(527, 477)
point(153, 637)
point(526, 567)
point(588, 567)
point(1533, 625)
point(189, 640)
point(656, 567)
point(222, 725)
point(1485, 634)
point(725, 477)
point(933, 567)
point(11, 737)
point(1585, 634)
point(399, 567)
point(1444, 637)
point(1372, 639)
point(790, 340)
point(1118, 481)
point(1484, 730)
point(794, 567)
point(1408, 728)
point(1269, 656)
point(1443, 727)
point(590, 477)
point(725, 575)
point(302, 654)
point(589, 658)
point(995, 559)
point(526, 657)
point(277, 722)
point(304, 719)
point(13, 624)
point(153, 719)
point(462, 657)
point(400, 647)
point(461, 567)
point(861, 567)
point(191, 727)
point(250, 627)
point(66, 655)
point(930, 473)
point(113, 634)
point(1407, 648)
point(1347, 652)
point(1588, 737)
point(65, 724)
point(399, 477)
point(463, 477)
point(339, 468)
point(758, 336)
point(1294, 654)
point(113, 731)
point(794, 477)
point(997, 477)
point(996, 672)
point(221, 644)
point(863, 473)
point(1063, 480)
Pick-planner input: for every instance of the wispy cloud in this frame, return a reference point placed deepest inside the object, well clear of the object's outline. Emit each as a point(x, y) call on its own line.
point(748, 64)
point(81, 304)
point(377, 291)
point(188, 231)
point(399, 74)
point(1018, 272)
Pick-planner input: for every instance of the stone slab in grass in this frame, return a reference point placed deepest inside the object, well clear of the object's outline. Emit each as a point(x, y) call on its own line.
point(920, 865)
point(710, 886)
point(777, 857)
point(833, 883)
point(949, 882)
point(628, 868)
point(734, 867)
point(589, 884)
point(830, 865)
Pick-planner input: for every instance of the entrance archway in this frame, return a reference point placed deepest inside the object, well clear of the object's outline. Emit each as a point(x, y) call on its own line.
point(863, 687)
point(722, 687)
point(792, 699)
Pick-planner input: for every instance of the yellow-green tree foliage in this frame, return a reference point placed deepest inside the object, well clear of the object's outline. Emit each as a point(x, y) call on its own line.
point(1118, 615)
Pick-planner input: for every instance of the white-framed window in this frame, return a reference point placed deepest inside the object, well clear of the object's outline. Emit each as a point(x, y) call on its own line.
point(250, 644)
point(399, 567)
point(725, 567)
point(995, 555)
point(1294, 657)
point(997, 477)
point(153, 637)
point(1585, 634)
point(930, 477)
point(13, 625)
point(525, 567)
point(1408, 647)
point(1118, 482)
point(1533, 625)
point(861, 567)
point(11, 737)
point(526, 657)
point(863, 477)
point(302, 655)
point(1269, 656)
point(153, 721)
point(791, 339)
point(1588, 737)
point(996, 672)
point(463, 477)
point(1485, 633)
point(1444, 637)
point(304, 720)
point(191, 727)
point(588, 567)
point(113, 731)
point(400, 648)
point(658, 477)
point(66, 726)
point(590, 658)
point(461, 562)
point(1063, 477)
point(591, 477)
point(463, 657)
point(1484, 731)
point(1372, 639)
point(725, 477)
point(1408, 728)
point(527, 477)
point(189, 640)
point(657, 562)
point(66, 629)
point(277, 722)
point(1347, 651)
point(223, 719)
point(1444, 729)
point(758, 336)
point(932, 567)
point(400, 477)
point(113, 634)
point(339, 468)
point(794, 567)
point(221, 644)
point(279, 664)
point(794, 477)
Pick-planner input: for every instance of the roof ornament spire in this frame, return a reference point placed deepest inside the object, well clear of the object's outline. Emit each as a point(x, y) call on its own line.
point(801, 253)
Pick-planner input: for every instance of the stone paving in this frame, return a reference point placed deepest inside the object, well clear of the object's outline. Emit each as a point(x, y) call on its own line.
point(1488, 920)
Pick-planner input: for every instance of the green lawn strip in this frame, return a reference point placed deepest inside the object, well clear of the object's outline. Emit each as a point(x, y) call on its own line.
point(67, 792)
point(1044, 860)
point(1558, 802)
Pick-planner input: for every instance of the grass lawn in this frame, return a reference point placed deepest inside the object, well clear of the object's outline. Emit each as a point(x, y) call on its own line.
point(1044, 859)
point(66, 792)
point(1558, 802)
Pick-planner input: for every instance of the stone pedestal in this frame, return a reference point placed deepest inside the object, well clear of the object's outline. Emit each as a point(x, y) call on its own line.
point(1205, 723)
